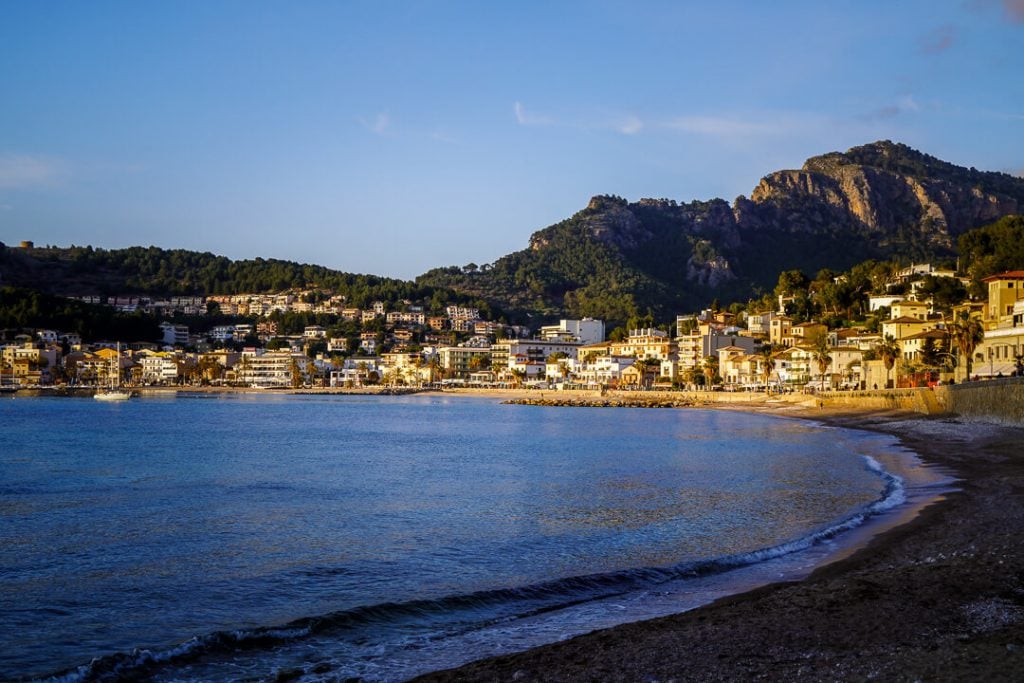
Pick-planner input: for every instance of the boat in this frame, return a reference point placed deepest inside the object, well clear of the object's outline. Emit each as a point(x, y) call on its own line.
point(114, 392)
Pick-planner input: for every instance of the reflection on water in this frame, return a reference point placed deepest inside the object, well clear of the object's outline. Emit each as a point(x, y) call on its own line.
point(163, 520)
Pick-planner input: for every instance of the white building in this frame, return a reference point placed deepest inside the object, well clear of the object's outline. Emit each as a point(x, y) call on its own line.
point(174, 335)
point(585, 331)
point(159, 368)
point(271, 369)
point(462, 313)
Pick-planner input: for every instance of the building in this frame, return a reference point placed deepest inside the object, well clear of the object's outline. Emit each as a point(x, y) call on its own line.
point(462, 313)
point(760, 323)
point(160, 368)
point(647, 343)
point(174, 335)
point(898, 328)
point(910, 309)
point(585, 331)
point(529, 350)
point(458, 361)
point(1002, 351)
point(793, 366)
point(406, 318)
point(779, 329)
point(1004, 290)
point(272, 369)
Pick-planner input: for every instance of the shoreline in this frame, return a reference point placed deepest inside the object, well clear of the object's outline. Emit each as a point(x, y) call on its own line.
point(938, 597)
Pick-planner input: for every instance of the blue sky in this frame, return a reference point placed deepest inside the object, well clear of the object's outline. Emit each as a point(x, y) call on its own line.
point(392, 137)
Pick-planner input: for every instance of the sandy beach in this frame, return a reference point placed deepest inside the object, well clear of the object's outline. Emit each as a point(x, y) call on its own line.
point(940, 598)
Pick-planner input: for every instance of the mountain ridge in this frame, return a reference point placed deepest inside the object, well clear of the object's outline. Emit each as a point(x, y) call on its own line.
point(876, 201)
point(615, 259)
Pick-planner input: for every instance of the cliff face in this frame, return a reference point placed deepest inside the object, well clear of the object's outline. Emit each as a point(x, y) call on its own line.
point(881, 200)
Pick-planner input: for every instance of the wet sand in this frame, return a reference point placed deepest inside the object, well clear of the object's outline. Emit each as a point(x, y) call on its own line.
point(940, 598)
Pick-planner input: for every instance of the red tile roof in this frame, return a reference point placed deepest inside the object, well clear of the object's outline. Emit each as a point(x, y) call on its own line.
point(1008, 275)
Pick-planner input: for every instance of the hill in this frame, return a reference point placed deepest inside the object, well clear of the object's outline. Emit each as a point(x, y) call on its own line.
point(78, 271)
point(617, 258)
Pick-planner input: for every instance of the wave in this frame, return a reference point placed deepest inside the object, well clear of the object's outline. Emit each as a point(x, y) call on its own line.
point(460, 613)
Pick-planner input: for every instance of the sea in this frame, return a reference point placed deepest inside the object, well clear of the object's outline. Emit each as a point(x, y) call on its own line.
point(250, 537)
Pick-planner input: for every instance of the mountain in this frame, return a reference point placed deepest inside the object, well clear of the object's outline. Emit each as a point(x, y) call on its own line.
point(614, 258)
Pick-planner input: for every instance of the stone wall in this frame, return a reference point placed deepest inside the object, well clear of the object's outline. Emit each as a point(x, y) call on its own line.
point(915, 400)
point(998, 400)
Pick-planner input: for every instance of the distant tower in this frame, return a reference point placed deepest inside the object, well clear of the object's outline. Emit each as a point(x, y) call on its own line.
point(27, 244)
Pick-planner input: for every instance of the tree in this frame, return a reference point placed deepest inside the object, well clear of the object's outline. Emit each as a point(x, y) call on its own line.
point(434, 366)
point(791, 282)
point(644, 365)
point(819, 351)
point(945, 292)
point(767, 354)
point(296, 373)
point(710, 369)
point(966, 332)
point(930, 355)
point(888, 351)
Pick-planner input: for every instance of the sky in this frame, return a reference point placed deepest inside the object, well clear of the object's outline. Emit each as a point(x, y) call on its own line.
point(393, 137)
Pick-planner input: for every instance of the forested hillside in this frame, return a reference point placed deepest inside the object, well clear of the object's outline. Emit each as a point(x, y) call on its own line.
point(79, 271)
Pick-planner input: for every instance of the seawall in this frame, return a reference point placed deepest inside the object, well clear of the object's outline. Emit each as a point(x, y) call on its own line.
point(999, 401)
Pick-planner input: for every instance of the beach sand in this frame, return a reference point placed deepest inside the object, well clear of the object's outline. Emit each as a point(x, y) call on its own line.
point(940, 598)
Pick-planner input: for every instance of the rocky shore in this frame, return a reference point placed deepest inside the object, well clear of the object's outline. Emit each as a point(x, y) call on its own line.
point(603, 402)
point(938, 599)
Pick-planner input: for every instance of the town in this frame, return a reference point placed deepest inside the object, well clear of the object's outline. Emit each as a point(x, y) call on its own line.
point(908, 335)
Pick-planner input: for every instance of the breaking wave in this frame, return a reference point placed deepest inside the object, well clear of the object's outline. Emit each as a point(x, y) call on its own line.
point(461, 613)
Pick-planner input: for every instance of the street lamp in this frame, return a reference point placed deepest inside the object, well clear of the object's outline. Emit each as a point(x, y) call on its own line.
point(954, 361)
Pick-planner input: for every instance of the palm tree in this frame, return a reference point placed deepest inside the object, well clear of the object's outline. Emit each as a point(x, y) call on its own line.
point(690, 376)
point(966, 333)
point(819, 351)
point(767, 364)
point(434, 366)
point(643, 365)
point(295, 373)
point(417, 363)
point(710, 370)
point(888, 351)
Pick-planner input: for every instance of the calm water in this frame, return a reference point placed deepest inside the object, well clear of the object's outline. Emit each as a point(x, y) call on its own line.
point(226, 538)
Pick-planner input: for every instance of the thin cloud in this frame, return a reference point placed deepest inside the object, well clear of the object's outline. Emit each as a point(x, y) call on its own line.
point(631, 126)
point(718, 126)
point(440, 136)
point(938, 40)
point(19, 171)
point(380, 124)
point(525, 118)
point(901, 106)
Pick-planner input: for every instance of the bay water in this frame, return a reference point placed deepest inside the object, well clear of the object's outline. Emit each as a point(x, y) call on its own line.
point(245, 536)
